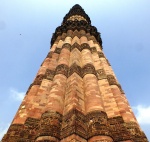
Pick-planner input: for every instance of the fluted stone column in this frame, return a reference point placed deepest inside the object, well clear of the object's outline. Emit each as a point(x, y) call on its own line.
point(75, 96)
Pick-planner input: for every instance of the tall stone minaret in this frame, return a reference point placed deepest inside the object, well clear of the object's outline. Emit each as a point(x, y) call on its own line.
point(75, 96)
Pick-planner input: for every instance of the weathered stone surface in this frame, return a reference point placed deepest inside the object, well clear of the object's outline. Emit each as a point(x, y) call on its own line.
point(101, 74)
point(97, 124)
point(67, 46)
point(75, 68)
point(111, 80)
point(38, 79)
point(57, 50)
point(93, 50)
point(75, 96)
point(74, 123)
point(50, 54)
point(76, 45)
point(89, 69)
point(50, 124)
point(101, 55)
point(49, 74)
point(62, 69)
point(136, 134)
point(85, 46)
point(118, 130)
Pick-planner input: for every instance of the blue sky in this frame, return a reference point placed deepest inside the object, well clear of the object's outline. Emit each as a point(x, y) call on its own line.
point(26, 27)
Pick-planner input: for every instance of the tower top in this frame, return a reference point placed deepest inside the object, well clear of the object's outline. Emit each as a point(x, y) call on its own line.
point(76, 10)
point(76, 19)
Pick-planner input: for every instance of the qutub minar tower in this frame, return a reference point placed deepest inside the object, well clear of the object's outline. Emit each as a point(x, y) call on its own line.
point(75, 96)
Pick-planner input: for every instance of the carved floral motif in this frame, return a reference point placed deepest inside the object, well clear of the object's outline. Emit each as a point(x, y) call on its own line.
point(50, 124)
point(73, 123)
point(89, 69)
point(76, 45)
point(136, 134)
point(101, 55)
point(62, 69)
point(101, 74)
point(85, 46)
point(38, 79)
point(75, 68)
point(93, 50)
point(97, 124)
point(111, 80)
point(118, 130)
point(49, 74)
point(56, 126)
point(57, 50)
point(67, 46)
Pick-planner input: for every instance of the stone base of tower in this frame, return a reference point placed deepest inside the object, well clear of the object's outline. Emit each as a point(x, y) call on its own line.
point(75, 127)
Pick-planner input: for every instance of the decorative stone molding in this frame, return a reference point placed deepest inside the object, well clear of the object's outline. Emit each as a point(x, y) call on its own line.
point(89, 69)
point(91, 37)
point(32, 123)
point(76, 17)
point(62, 69)
point(31, 128)
point(49, 55)
point(121, 90)
point(49, 74)
point(53, 126)
point(38, 79)
point(57, 50)
point(77, 25)
point(77, 10)
point(118, 130)
point(136, 134)
point(101, 74)
point(14, 133)
point(75, 68)
point(93, 50)
point(50, 124)
point(76, 45)
point(112, 80)
point(97, 124)
point(73, 123)
point(67, 46)
point(63, 36)
point(76, 33)
point(100, 54)
point(85, 46)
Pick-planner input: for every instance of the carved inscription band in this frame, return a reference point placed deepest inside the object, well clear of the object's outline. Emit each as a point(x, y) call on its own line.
point(52, 126)
point(76, 25)
point(79, 47)
point(65, 70)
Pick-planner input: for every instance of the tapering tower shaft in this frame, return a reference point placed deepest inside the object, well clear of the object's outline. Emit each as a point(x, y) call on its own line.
point(75, 96)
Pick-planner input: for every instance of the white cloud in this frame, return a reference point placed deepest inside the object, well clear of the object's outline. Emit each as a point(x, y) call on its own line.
point(142, 114)
point(18, 96)
point(3, 130)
